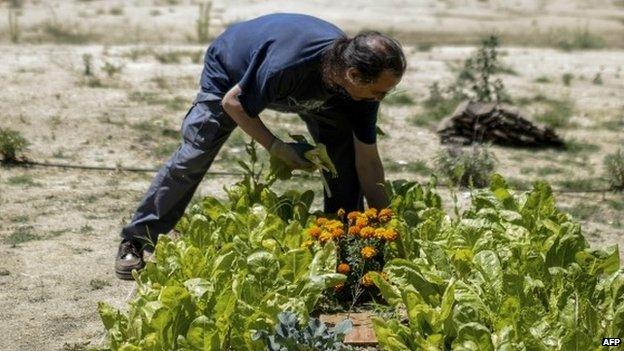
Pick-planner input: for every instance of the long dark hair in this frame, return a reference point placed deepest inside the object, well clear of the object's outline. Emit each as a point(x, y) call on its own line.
point(370, 52)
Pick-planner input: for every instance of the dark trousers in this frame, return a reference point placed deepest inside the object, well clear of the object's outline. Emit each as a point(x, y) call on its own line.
point(204, 130)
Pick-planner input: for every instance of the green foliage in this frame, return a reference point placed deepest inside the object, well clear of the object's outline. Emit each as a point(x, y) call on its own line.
point(511, 273)
point(476, 80)
point(289, 336)
point(12, 145)
point(466, 168)
point(87, 61)
point(614, 169)
point(566, 78)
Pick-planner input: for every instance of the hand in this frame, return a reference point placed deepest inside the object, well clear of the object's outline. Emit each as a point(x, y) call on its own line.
point(292, 154)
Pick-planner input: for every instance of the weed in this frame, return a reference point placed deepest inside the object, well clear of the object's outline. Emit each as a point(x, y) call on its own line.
point(203, 22)
point(614, 168)
point(20, 236)
point(566, 78)
point(12, 145)
point(86, 229)
point(87, 62)
point(466, 168)
point(98, 284)
point(597, 79)
point(112, 69)
point(4, 272)
point(542, 79)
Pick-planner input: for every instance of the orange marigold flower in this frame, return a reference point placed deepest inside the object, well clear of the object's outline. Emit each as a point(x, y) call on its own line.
point(367, 280)
point(353, 215)
point(371, 213)
point(391, 234)
point(325, 236)
point(367, 232)
point(321, 220)
point(343, 268)
point(380, 233)
point(337, 232)
point(361, 221)
point(385, 215)
point(368, 252)
point(332, 224)
point(354, 230)
point(314, 231)
point(341, 213)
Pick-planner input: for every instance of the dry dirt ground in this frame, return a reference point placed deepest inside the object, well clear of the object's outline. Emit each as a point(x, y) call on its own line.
point(59, 227)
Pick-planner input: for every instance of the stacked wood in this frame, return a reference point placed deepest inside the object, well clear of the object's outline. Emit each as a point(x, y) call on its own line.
point(475, 122)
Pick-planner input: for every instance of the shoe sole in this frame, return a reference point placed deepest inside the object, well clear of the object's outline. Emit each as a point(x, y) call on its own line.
point(124, 274)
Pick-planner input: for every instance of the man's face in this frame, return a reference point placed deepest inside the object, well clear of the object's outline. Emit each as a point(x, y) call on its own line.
point(374, 91)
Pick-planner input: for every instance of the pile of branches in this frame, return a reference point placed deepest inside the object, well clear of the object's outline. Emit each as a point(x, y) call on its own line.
point(479, 122)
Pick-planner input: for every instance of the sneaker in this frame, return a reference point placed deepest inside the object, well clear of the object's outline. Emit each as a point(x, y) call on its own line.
point(128, 259)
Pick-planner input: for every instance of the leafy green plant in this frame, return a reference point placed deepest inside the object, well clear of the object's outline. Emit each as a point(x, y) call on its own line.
point(466, 168)
point(12, 145)
point(290, 336)
point(513, 272)
point(614, 167)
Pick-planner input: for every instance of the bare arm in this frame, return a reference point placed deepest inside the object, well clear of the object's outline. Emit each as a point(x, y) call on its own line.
point(250, 125)
point(370, 173)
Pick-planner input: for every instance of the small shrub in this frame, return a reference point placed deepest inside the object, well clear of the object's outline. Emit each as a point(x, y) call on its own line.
point(566, 78)
point(289, 335)
point(475, 81)
point(597, 79)
point(87, 61)
point(614, 167)
point(12, 145)
point(466, 168)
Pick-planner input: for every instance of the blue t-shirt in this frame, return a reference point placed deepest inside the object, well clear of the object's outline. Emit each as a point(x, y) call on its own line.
point(276, 61)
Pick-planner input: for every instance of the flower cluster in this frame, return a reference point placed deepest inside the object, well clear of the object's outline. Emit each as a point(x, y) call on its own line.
point(361, 237)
